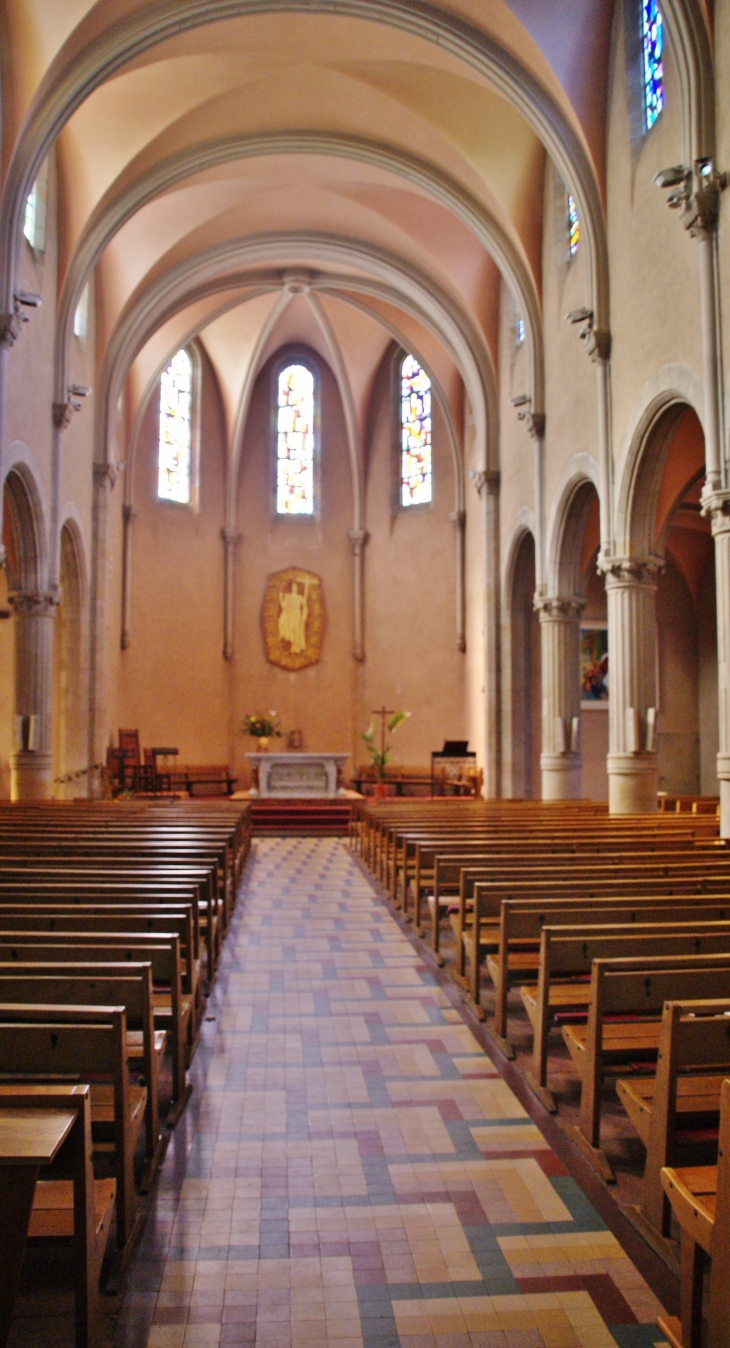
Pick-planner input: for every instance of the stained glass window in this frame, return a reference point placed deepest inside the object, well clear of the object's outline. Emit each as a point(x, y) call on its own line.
point(415, 459)
point(173, 483)
point(295, 441)
point(520, 331)
point(652, 43)
point(573, 226)
point(34, 218)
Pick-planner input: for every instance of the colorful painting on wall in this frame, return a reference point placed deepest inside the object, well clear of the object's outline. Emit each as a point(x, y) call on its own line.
point(293, 618)
point(594, 665)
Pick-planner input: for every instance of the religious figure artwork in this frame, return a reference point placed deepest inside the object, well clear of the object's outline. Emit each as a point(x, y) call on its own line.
point(594, 665)
point(293, 618)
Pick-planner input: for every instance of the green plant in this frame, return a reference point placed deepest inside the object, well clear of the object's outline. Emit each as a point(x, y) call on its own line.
point(380, 757)
point(262, 725)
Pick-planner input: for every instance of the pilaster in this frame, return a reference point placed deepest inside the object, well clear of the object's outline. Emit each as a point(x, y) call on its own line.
point(358, 538)
point(717, 506)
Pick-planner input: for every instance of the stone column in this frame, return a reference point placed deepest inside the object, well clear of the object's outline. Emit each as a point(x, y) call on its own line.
point(717, 506)
point(129, 515)
point(31, 763)
point(560, 760)
point(632, 653)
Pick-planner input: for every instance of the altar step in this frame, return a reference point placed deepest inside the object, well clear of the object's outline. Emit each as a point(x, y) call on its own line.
point(324, 817)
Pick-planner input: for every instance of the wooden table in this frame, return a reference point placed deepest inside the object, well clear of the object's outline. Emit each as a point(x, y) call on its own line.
point(29, 1139)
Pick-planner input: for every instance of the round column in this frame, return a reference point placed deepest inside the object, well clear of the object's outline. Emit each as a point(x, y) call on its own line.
point(632, 652)
point(31, 763)
point(717, 505)
point(560, 760)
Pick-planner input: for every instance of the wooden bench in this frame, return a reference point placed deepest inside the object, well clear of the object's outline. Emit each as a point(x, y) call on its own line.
point(40, 1125)
point(171, 1008)
point(46, 1043)
point(669, 1108)
point(700, 1199)
point(624, 1025)
point(127, 985)
point(566, 958)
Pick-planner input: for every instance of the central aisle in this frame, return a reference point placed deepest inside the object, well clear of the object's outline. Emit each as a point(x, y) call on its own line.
point(356, 1173)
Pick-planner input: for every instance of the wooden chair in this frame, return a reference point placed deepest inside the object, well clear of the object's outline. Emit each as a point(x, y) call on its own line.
point(700, 1200)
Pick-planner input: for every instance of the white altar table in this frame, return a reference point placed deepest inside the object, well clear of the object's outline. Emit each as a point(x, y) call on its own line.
point(297, 774)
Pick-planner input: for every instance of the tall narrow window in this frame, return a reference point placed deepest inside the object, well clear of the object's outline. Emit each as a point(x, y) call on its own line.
point(295, 441)
point(415, 458)
point(34, 219)
point(652, 42)
point(81, 317)
point(573, 226)
point(173, 483)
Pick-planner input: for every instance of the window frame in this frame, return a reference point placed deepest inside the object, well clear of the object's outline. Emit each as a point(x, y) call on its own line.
point(193, 502)
point(397, 505)
point(295, 356)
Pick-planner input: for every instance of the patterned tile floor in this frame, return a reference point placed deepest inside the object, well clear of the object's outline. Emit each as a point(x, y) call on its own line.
point(352, 1171)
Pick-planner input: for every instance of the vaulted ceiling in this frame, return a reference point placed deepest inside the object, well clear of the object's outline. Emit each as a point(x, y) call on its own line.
point(389, 157)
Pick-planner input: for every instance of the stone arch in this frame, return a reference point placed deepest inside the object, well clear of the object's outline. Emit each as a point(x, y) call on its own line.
point(23, 529)
point(661, 404)
point(566, 525)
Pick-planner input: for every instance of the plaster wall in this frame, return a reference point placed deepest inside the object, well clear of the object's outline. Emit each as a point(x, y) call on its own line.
point(655, 317)
point(678, 739)
point(172, 682)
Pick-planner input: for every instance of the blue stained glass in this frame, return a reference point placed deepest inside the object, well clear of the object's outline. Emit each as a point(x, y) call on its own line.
point(520, 331)
point(652, 41)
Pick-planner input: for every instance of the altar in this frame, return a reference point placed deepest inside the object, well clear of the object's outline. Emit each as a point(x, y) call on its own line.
point(297, 774)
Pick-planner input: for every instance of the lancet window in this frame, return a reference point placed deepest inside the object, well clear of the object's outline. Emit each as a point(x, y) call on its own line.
point(652, 42)
point(573, 226)
point(415, 458)
point(295, 440)
point(175, 451)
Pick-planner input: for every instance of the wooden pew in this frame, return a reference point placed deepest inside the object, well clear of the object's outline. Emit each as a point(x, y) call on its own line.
point(78, 1209)
point(115, 920)
point(127, 985)
point(693, 1060)
point(566, 958)
point(171, 1007)
point(48, 1042)
point(479, 936)
point(700, 1199)
point(624, 1024)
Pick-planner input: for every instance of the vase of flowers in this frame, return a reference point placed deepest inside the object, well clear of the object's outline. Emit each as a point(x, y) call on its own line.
point(380, 755)
point(262, 726)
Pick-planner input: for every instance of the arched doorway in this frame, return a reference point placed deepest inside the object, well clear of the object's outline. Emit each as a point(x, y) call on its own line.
point(29, 732)
point(523, 699)
point(68, 741)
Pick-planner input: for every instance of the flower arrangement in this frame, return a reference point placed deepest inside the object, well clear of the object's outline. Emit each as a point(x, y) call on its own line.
point(380, 757)
point(262, 725)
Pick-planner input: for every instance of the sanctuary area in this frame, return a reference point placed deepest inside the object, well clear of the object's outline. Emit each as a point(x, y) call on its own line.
point(365, 673)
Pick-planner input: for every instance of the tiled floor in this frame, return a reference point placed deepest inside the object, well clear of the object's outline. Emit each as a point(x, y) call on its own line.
point(352, 1171)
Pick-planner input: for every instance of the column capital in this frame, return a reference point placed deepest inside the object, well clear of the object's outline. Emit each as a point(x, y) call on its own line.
point(597, 341)
point(358, 538)
point(61, 415)
point(106, 474)
point(631, 571)
point(559, 608)
point(230, 537)
point(33, 603)
point(716, 505)
point(458, 519)
point(486, 481)
point(129, 513)
point(534, 421)
point(10, 325)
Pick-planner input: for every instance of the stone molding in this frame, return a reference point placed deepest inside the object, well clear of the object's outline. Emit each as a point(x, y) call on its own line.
point(559, 608)
point(631, 571)
point(33, 603)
